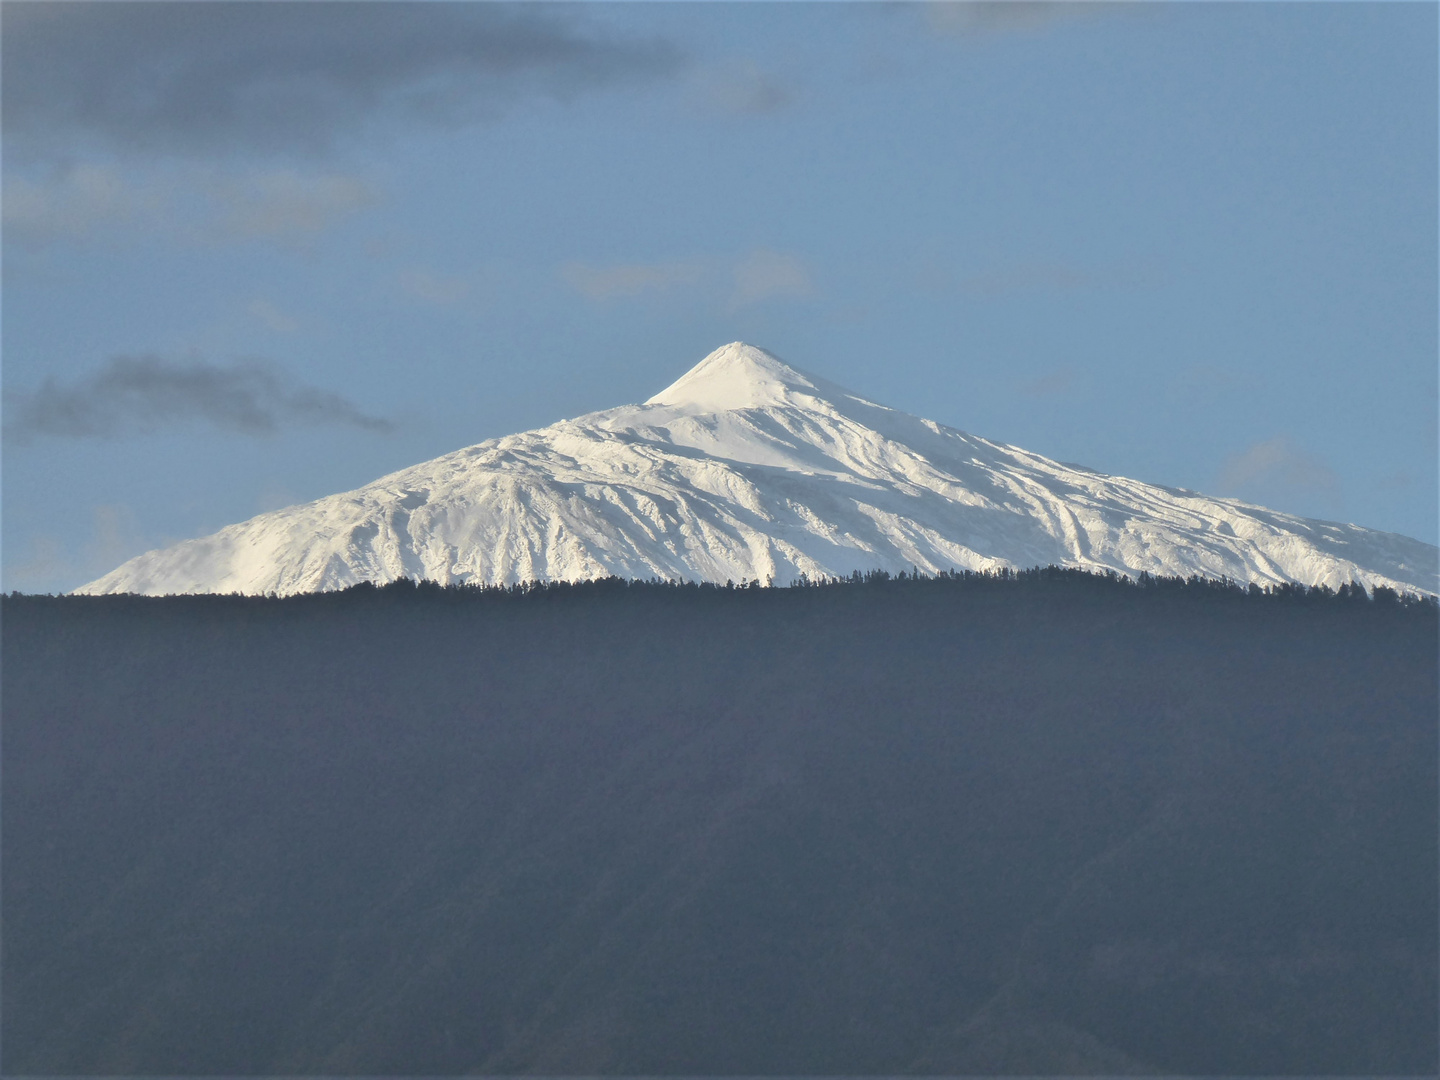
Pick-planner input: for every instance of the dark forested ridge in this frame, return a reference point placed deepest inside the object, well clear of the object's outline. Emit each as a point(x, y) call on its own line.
point(1044, 823)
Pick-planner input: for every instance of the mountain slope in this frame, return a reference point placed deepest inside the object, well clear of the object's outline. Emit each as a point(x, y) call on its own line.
point(746, 468)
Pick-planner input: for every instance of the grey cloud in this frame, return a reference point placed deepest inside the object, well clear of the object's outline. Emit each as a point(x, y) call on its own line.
point(139, 394)
point(197, 77)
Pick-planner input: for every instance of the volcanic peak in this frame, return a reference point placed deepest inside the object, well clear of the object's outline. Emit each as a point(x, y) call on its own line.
point(737, 376)
point(747, 468)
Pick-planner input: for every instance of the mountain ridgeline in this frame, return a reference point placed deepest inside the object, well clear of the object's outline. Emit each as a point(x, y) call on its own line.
point(1036, 823)
point(746, 467)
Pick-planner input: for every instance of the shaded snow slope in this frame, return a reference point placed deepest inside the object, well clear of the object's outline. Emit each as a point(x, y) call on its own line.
point(746, 468)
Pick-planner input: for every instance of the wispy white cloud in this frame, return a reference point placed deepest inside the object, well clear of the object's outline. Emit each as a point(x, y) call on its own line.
point(1029, 277)
point(1051, 384)
point(116, 537)
point(742, 88)
point(1033, 275)
point(766, 275)
point(1398, 480)
point(1007, 16)
point(52, 566)
point(275, 496)
point(272, 318)
point(186, 205)
point(617, 281)
point(72, 204)
point(755, 277)
point(45, 565)
point(1278, 463)
point(286, 205)
point(433, 288)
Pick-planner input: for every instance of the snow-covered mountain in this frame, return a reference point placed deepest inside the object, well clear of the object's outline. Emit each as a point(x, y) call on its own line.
point(746, 468)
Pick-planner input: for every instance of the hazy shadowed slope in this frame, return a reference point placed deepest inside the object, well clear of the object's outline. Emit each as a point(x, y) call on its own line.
point(1055, 824)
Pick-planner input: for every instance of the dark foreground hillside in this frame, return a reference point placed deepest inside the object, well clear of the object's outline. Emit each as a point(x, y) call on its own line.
point(1054, 824)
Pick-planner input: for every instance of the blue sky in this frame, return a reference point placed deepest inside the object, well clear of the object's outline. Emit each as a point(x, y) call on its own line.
point(257, 254)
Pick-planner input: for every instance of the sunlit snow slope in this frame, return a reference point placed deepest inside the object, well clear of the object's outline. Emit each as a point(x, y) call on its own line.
point(749, 469)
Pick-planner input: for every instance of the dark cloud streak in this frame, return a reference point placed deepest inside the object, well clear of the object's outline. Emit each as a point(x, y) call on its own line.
point(141, 394)
point(193, 77)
